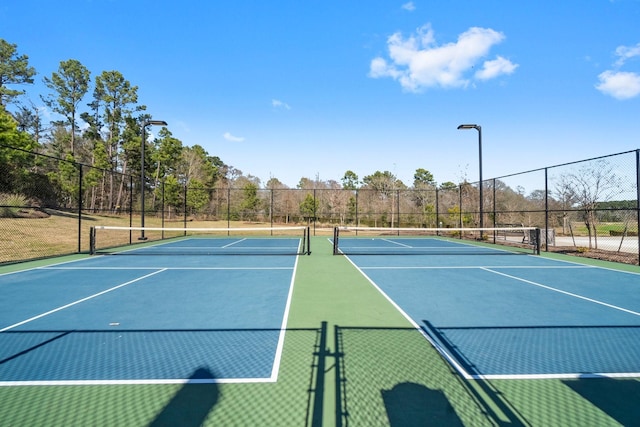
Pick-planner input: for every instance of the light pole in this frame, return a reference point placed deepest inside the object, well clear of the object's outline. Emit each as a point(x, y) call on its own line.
point(144, 125)
point(479, 129)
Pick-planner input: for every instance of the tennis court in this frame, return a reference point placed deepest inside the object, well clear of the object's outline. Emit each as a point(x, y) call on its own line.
point(518, 316)
point(201, 330)
point(149, 318)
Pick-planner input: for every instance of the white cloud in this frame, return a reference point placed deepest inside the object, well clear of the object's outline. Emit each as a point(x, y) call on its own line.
point(409, 6)
point(232, 138)
point(619, 84)
point(418, 62)
point(626, 52)
point(498, 66)
point(380, 68)
point(276, 103)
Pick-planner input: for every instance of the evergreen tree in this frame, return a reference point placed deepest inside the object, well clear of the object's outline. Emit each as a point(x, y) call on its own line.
point(70, 85)
point(14, 70)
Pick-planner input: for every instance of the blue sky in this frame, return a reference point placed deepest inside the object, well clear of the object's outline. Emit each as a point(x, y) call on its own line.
point(291, 89)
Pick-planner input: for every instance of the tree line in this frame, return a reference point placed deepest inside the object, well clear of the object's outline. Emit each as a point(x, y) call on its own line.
point(98, 122)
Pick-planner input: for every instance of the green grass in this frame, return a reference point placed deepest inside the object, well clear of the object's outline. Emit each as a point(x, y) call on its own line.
point(603, 229)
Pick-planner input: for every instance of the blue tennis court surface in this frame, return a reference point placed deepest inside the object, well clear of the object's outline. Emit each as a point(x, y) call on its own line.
point(145, 319)
point(520, 316)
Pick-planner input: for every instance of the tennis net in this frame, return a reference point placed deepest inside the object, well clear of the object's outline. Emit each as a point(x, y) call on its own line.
point(112, 240)
point(435, 241)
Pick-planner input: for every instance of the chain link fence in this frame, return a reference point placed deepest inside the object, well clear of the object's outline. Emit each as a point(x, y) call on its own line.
point(587, 208)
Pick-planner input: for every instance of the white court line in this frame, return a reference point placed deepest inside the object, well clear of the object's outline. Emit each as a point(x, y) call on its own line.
point(397, 243)
point(562, 292)
point(557, 376)
point(283, 327)
point(234, 243)
point(80, 300)
point(134, 382)
point(167, 268)
point(467, 267)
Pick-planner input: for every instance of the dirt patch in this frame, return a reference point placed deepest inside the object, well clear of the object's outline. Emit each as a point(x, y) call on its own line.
point(622, 257)
point(25, 214)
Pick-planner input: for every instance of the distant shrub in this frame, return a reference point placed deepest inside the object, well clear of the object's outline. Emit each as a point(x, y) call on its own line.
point(11, 204)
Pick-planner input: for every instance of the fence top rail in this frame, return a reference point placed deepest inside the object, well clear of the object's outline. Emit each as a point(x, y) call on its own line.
point(564, 164)
point(212, 229)
point(436, 229)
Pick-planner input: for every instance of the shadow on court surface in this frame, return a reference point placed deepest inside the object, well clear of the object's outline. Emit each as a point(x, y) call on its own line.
point(394, 377)
point(618, 398)
point(361, 393)
point(191, 404)
point(206, 397)
point(410, 404)
point(342, 376)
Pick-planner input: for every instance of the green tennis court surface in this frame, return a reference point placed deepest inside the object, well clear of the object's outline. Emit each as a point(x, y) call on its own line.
point(319, 340)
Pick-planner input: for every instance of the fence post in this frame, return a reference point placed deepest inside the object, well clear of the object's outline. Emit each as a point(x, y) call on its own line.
point(495, 213)
point(437, 208)
point(79, 165)
point(398, 208)
point(460, 206)
point(357, 212)
point(638, 200)
point(162, 209)
point(184, 209)
point(130, 208)
point(546, 209)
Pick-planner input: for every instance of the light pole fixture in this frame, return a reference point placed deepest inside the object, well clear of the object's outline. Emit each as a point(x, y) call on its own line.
point(142, 175)
point(479, 129)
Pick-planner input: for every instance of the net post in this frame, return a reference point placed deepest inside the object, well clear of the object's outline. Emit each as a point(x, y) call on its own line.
point(92, 240)
point(335, 240)
point(537, 244)
point(308, 237)
point(302, 246)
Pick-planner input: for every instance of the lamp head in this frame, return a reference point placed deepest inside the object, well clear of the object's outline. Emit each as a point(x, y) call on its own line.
point(469, 126)
point(154, 122)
